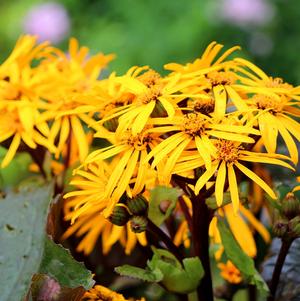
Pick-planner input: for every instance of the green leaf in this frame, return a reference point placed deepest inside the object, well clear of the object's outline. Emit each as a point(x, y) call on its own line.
point(154, 275)
point(260, 284)
point(166, 269)
point(22, 231)
point(240, 259)
point(59, 264)
point(162, 203)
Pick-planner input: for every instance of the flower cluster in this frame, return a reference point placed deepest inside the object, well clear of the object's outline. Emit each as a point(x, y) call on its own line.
point(203, 123)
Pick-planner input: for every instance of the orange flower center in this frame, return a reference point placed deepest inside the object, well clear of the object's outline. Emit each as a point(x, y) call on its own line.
point(149, 78)
point(221, 78)
point(204, 106)
point(263, 102)
point(193, 124)
point(151, 94)
point(139, 141)
point(227, 151)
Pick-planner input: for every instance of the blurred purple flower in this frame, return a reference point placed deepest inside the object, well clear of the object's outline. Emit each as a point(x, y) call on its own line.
point(247, 12)
point(50, 21)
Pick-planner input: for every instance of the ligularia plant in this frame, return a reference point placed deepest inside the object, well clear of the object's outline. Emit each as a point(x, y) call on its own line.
point(175, 164)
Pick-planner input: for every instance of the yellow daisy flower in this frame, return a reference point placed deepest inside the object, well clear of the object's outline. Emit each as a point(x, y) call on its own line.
point(207, 60)
point(194, 131)
point(229, 157)
point(130, 152)
point(73, 101)
point(273, 118)
point(159, 97)
point(20, 99)
point(254, 80)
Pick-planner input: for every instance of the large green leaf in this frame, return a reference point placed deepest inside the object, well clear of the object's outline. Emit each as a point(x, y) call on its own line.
point(240, 259)
point(22, 232)
point(162, 202)
point(59, 264)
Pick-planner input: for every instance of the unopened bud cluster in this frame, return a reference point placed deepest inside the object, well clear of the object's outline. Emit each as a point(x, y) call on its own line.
point(134, 211)
point(288, 223)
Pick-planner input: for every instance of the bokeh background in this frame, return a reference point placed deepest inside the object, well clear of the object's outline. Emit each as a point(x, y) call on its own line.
point(151, 32)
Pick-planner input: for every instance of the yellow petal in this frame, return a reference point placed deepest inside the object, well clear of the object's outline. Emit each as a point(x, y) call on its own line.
point(11, 151)
point(80, 137)
point(205, 177)
point(220, 100)
point(220, 182)
point(254, 177)
point(233, 187)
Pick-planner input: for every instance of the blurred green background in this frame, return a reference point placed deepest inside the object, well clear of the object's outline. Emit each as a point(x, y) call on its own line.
point(155, 32)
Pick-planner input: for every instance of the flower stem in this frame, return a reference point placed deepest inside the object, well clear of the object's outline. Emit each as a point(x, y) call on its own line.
point(285, 246)
point(151, 227)
point(201, 219)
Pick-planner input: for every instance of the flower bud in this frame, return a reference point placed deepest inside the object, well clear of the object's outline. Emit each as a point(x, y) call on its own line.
point(138, 224)
point(137, 205)
point(294, 225)
point(120, 215)
point(296, 231)
point(290, 206)
point(280, 228)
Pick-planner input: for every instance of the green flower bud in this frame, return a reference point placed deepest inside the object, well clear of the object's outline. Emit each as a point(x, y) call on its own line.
point(294, 225)
point(296, 230)
point(290, 206)
point(137, 205)
point(280, 228)
point(120, 215)
point(138, 224)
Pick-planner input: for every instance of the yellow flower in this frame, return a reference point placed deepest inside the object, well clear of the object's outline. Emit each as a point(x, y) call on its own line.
point(23, 53)
point(229, 157)
point(73, 101)
point(257, 81)
point(194, 131)
point(20, 99)
point(208, 59)
point(153, 96)
point(214, 79)
point(130, 169)
point(273, 118)
point(230, 273)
